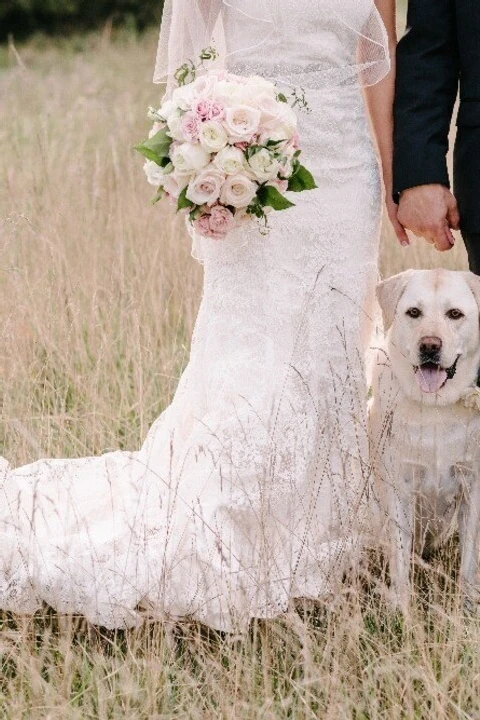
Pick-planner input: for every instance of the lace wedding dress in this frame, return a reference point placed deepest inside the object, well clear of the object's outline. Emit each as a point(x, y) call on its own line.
point(248, 489)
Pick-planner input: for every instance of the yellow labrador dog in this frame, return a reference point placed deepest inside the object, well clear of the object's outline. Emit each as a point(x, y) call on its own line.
point(425, 419)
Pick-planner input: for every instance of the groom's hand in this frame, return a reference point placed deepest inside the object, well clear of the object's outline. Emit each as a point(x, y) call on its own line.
point(431, 212)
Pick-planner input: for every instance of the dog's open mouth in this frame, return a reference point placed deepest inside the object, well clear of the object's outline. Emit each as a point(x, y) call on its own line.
point(432, 377)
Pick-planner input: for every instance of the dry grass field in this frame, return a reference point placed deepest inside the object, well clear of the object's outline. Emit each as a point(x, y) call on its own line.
point(98, 295)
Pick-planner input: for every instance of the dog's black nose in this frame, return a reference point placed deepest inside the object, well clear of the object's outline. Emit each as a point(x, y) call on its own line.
point(430, 347)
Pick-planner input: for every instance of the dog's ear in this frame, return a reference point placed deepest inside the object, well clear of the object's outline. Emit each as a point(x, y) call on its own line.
point(473, 282)
point(389, 293)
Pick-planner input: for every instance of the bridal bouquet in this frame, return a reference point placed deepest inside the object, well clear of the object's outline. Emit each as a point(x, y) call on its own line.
point(224, 149)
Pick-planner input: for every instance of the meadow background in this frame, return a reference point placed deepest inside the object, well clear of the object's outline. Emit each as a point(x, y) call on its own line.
point(98, 297)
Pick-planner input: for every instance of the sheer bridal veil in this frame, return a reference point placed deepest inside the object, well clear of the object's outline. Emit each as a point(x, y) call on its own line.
point(279, 39)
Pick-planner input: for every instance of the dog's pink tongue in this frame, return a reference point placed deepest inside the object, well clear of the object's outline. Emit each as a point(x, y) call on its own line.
point(431, 379)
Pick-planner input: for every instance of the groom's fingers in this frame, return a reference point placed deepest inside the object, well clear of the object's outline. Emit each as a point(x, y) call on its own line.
point(442, 239)
point(453, 215)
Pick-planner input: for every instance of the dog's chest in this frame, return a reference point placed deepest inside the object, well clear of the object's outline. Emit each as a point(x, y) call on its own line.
point(437, 451)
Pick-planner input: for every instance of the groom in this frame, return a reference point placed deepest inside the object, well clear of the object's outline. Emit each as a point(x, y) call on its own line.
point(439, 54)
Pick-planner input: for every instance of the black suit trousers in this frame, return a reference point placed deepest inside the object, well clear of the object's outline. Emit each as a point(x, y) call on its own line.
point(472, 243)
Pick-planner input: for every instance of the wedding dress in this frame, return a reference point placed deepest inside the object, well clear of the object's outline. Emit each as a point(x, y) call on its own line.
point(248, 490)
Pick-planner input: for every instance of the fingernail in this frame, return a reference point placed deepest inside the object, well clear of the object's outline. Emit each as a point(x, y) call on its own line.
point(405, 243)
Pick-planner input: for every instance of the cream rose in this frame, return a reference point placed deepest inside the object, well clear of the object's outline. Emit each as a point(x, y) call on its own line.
point(189, 158)
point(212, 136)
point(264, 165)
point(204, 189)
point(174, 184)
point(241, 123)
point(230, 160)
point(238, 191)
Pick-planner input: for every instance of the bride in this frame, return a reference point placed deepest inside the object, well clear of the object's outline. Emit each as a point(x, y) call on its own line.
point(249, 490)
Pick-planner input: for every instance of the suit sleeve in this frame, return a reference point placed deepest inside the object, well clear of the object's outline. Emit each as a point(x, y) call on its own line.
point(427, 80)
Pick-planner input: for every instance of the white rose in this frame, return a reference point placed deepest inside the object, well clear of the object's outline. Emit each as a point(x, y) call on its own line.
point(230, 160)
point(184, 96)
point(174, 184)
point(285, 123)
point(155, 174)
point(238, 191)
point(269, 107)
point(167, 109)
point(242, 123)
point(175, 130)
point(264, 165)
point(205, 85)
point(229, 92)
point(205, 187)
point(213, 137)
point(257, 84)
point(188, 158)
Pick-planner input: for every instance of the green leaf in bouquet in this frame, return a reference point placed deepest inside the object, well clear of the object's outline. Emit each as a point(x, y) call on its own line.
point(274, 143)
point(252, 150)
point(195, 212)
point(183, 202)
point(302, 179)
point(269, 196)
point(160, 194)
point(256, 209)
point(156, 148)
point(185, 74)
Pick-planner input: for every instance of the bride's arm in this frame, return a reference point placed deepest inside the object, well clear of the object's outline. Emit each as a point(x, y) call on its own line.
point(380, 103)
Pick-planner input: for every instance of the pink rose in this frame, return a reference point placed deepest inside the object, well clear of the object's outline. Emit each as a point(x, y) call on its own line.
point(215, 224)
point(221, 221)
point(190, 127)
point(201, 225)
point(208, 109)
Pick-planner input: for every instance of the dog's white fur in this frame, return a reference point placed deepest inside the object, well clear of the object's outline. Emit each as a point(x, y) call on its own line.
point(426, 446)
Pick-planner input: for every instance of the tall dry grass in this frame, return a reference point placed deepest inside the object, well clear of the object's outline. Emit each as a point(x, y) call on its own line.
point(98, 299)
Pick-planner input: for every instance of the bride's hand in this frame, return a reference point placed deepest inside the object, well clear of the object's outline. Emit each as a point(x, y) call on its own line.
point(392, 211)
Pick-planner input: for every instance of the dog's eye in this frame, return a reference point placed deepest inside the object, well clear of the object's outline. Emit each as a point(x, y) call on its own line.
point(414, 312)
point(455, 314)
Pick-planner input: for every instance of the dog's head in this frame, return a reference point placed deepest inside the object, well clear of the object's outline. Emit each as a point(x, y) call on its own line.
point(433, 325)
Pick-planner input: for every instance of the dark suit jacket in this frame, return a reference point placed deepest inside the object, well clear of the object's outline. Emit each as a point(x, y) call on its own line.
point(439, 54)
